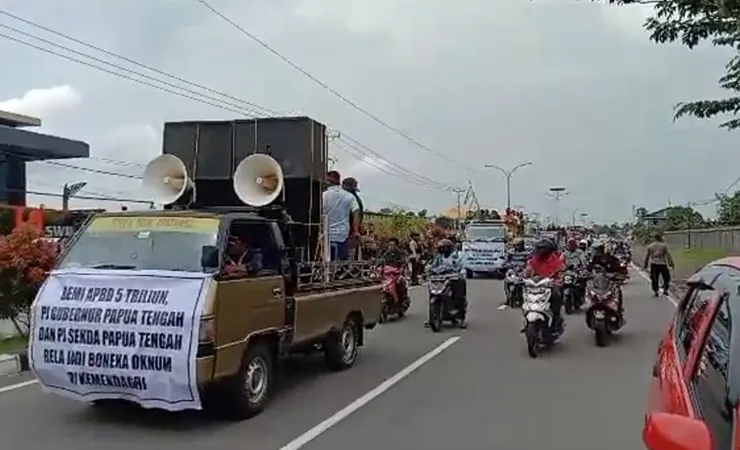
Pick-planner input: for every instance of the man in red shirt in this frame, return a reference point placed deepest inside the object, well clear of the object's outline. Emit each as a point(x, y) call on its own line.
point(547, 262)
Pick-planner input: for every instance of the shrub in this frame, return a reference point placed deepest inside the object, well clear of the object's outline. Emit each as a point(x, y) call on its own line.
point(25, 261)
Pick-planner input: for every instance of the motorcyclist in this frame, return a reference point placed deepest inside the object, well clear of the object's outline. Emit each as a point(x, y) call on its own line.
point(448, 255)
point(394, 256)
point(610, 264)
point(574, 256)
point(546, 262)
point(583, 245)
point(516, 258)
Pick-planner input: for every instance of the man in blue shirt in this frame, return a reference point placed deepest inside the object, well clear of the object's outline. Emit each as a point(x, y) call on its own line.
point(341, 214)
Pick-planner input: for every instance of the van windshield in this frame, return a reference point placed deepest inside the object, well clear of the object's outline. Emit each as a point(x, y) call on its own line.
point(485, 232)
point(142, 242)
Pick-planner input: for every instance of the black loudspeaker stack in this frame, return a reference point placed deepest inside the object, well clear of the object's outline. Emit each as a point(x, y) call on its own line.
point(211, 151)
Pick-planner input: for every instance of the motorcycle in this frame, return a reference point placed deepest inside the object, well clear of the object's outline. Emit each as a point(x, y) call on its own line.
point(539, 329)
point(513, 288)
point(571, 295)
point(442, 307)
point(603, 315)
point(395, 301)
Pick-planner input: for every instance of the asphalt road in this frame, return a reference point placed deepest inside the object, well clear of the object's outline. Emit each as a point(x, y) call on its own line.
point(481, 392)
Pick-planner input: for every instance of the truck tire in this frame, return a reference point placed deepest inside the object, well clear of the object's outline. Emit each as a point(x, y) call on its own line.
point(341, 347)
point(247, 394)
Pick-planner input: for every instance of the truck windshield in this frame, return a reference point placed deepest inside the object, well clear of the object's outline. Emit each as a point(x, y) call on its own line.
point(485, 232)
point(142, 242)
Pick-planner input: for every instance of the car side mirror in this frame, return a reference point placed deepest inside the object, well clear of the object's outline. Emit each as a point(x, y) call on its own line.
point(209, 257)
point(665, 431)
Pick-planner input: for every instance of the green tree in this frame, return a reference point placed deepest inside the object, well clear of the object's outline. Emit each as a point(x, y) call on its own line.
point(728, 209)
point(641, 212)
point(386, 211)
point(423, 213)
point(682, 217)
point(691, 22)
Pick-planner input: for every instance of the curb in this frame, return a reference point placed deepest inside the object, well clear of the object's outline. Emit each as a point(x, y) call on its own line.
point(13, 363)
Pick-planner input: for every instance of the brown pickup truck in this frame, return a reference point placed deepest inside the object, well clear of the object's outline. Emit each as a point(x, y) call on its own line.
point(265, 307)
point(251, 322)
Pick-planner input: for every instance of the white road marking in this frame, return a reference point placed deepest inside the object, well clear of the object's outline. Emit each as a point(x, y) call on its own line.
point(644, 275)
point(502, 307)
point(13, 387)
point(345, 412)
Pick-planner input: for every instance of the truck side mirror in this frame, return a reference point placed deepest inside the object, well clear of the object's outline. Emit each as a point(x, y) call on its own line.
point(209, 257)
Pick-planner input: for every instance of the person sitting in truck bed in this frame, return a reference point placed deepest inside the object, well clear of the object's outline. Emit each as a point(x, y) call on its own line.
point(240, 257)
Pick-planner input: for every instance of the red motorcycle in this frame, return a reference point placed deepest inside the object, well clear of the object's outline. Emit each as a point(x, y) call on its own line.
point(395, 301)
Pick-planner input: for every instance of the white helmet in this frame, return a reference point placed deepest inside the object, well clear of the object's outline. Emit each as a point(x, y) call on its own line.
point(583, 242)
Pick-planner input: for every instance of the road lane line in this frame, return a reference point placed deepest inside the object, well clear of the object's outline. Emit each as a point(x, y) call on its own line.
point(13, 387)
point(345, 412)
point(644, 275)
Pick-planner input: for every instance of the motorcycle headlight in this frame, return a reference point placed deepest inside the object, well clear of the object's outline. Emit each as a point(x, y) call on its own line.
point(568, 279)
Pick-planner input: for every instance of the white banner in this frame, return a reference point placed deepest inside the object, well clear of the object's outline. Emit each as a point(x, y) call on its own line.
point(133, 335)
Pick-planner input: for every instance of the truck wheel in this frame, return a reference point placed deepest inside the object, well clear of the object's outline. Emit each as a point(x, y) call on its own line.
point(341, 347)
point(249, 392)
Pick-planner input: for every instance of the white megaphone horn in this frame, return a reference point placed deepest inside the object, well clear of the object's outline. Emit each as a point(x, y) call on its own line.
point(258, 180)
point(166, 179)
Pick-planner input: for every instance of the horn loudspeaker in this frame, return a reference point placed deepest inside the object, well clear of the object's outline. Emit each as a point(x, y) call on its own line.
point(258, 180)
point(166, 179)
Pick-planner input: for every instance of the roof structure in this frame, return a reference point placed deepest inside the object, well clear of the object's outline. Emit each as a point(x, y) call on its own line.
point(33, 146)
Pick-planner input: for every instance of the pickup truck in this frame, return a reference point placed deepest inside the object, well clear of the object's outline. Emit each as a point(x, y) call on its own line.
point(258, 304)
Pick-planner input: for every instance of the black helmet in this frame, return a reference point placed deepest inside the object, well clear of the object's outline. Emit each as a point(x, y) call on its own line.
point(544, 245)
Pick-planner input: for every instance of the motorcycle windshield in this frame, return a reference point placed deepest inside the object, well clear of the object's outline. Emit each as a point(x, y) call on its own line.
point(600, 283)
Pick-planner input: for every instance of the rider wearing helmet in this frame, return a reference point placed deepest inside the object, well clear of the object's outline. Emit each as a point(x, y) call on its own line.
point(447, 255)
point(573, 255)
point(518, 255)
point(610, 264)
point(546, 262)
point(600, 257)
point(583, 245)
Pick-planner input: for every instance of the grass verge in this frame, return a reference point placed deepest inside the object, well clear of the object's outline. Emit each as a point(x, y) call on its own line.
point(689, 260)
point(13, 344)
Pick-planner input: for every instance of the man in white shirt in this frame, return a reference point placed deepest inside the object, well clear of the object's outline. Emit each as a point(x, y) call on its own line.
point(341, 211)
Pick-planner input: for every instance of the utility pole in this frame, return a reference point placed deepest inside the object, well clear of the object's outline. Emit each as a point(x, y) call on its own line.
point(507, 175)
point(557, 193)
point(459, 193)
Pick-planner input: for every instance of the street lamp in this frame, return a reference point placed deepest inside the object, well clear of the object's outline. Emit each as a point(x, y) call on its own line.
point(508, 174)
point(557, 193)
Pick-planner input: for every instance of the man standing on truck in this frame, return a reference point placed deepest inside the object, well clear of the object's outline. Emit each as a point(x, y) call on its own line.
point(349, 184)
point(341, 211)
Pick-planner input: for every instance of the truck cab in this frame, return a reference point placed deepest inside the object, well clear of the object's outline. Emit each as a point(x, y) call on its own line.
point(484, 248)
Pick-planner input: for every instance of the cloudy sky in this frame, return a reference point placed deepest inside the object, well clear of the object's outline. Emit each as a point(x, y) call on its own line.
point(574, 87)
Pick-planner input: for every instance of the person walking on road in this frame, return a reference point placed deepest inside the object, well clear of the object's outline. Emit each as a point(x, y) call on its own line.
point(659, 262)
point(341, 211)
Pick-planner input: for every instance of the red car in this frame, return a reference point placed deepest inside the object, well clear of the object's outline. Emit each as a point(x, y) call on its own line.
point(694, 397)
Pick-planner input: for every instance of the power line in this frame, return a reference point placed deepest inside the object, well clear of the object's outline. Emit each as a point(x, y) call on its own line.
point(398, 171)
point(249, 114)
point(134, 62)
point(334, 92)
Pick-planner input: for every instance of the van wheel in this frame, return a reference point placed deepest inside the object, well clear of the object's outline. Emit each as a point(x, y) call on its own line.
point(248, 393)
point(341, 347)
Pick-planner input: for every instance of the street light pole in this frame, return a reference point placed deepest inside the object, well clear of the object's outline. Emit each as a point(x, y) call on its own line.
point(557, 193)
point(508, 174)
